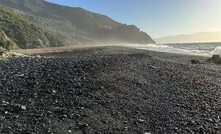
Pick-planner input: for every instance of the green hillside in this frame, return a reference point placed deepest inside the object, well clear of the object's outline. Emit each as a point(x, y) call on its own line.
point(23, 32)
point(6, 43)
point(76, 25)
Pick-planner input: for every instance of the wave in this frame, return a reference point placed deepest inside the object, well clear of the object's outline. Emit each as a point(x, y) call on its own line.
point(190, 49)
point(216, 50)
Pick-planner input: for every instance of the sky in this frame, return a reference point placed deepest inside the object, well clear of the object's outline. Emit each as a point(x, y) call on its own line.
point(158, 17)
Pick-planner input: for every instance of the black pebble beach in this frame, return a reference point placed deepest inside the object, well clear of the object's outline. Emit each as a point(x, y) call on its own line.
point(109, 90)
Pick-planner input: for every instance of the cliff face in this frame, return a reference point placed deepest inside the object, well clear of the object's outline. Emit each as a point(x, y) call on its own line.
point(76, 25)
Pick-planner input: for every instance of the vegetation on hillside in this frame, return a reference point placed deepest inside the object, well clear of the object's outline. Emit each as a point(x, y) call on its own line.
point(5, 42)
point(23, 32)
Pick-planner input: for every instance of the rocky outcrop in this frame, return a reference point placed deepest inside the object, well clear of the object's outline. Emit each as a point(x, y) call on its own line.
point(215, 59)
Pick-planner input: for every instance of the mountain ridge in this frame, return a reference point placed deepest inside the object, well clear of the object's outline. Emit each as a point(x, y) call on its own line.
point(77, 25)
point(191, 38)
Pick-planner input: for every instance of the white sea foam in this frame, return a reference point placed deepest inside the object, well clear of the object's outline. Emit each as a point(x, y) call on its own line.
point(187, 49)
point(216, 50)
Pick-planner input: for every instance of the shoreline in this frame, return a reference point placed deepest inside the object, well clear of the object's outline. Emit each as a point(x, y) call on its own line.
point(102, 49)
point(119, 49)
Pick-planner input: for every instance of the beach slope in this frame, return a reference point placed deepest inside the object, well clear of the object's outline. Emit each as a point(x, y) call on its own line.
point(109, 90)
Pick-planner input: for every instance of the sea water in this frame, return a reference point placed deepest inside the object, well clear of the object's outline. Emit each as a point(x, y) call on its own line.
point(201, 49)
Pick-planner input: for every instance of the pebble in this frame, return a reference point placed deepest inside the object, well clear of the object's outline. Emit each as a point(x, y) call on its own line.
point(141, 120)
point(153, 67)
point(23, 107)
point(126, 128)
point(83, 125)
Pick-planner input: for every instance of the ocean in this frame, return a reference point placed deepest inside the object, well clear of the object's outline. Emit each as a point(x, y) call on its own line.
point(201, 49)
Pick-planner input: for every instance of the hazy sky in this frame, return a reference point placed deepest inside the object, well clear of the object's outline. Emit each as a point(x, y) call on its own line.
point(158, 17)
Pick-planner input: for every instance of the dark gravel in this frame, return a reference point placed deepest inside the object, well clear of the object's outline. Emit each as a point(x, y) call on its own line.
point(100, 91)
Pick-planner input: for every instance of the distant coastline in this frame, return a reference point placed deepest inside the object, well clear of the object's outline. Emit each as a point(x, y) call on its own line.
point(200, 37)
point(192, 43)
